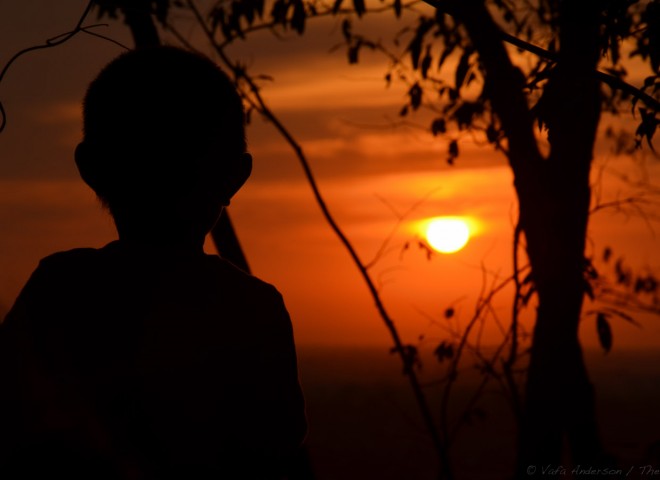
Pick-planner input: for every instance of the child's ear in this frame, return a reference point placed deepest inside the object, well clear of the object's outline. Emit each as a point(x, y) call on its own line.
point(88, 165)
point(240, 172)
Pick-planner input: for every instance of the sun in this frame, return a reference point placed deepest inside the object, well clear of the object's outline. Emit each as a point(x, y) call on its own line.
point(447, 234)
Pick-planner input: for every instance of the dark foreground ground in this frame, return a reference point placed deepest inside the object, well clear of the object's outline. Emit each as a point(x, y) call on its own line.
point(364, 423)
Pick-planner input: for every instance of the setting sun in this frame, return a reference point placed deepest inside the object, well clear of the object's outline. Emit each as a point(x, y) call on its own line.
point(447, 234)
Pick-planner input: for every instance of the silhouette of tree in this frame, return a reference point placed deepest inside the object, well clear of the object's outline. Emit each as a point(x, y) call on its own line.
point(563, 92)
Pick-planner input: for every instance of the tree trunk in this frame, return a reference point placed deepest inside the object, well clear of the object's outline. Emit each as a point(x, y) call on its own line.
point(226, 241)
point(554, 198)
point(137, 15)
point(559, 398)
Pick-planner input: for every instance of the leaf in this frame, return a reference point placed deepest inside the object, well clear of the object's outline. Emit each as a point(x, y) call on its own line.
point(649, 81)
point(439, 125)
point(415, 94)
point(492, 134)
point(588, 289)
point(243, 9)
point(360, 7)
point(353, 51)
point(426, 62)
point(336, 6)
point(648, 126)
point(346, 29)
point(453, 152)
point(388, 79)
point(162, 9)
point(589, 272)
point(220, 18)
point(445, 53)
point(623, 274)
point(462, 68)
point(444, 351)
point(106, 8)
point(397, 8)
point(415, 48)
point(415, 45)
point(604, 332)
point(234, 22)
point(259, 7)
point(299, 16)
point(410, 357)
point(624, 316)
point(646, 284)
point(404, 111)
point(278, 12)
point(466, 112)
point(449, 313)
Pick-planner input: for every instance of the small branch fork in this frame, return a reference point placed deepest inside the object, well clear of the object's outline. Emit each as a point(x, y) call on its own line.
point(54, 42)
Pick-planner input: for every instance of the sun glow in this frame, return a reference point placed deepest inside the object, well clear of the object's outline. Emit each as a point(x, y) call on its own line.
point(447, 234)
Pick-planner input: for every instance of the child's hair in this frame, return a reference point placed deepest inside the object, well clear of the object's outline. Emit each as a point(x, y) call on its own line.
point(150, 119)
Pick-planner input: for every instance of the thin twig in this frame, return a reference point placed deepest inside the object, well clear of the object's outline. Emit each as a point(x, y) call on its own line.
point(103, 37)
point(325, 13)
point(51, 42)
point(400, 218)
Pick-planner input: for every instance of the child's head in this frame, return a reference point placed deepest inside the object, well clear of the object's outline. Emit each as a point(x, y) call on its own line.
point(164, 141)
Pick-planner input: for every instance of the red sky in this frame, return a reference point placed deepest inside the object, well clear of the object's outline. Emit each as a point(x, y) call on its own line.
point(341, 114)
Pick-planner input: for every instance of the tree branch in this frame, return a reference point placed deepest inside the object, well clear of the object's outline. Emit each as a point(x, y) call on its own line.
point(51, 42)
point(504, 85)
point(610, 80)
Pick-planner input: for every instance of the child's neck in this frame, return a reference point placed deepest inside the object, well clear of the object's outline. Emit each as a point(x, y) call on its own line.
point(163, 241)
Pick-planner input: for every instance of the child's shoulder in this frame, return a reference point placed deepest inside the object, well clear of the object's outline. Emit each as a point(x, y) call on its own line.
point(68, 263)
point(115, 261)
point(68, 257)
point(237, 280)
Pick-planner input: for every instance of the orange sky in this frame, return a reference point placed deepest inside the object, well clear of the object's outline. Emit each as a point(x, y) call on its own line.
point(340, 114)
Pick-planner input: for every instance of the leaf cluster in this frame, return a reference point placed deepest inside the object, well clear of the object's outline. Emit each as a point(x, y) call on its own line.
point(232, 18)
point(619, 290)
point(460, 99)
point(159, 8)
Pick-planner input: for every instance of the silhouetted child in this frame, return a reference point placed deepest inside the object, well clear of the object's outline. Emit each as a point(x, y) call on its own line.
point(148, 358)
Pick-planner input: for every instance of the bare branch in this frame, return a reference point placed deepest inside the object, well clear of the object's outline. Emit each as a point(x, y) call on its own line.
point(51, 42)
